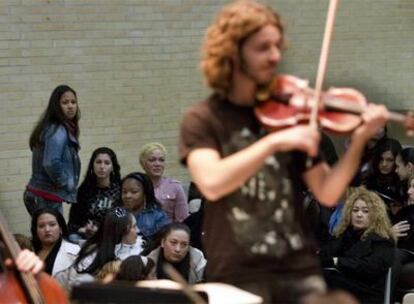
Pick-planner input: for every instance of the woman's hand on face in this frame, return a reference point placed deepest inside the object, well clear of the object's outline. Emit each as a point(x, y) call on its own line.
point(90, 229)
point(400, 229)
point(27, 261)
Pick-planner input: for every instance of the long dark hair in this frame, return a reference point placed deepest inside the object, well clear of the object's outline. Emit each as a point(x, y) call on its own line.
point(389, 144)
point(116, 224)
point(37, 244)
point(174, 227)
point(183, 267)
point(134, 268)
point(407, 155)
point(53, 115)
point(88, 185)
point(147, 186)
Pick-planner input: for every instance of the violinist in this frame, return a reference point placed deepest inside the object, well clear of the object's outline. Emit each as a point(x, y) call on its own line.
point(255, 232)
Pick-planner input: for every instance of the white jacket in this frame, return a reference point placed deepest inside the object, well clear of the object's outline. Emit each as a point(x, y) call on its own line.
point(122, 251)
point(197, 263)
point(70, 277)
point(66, 256)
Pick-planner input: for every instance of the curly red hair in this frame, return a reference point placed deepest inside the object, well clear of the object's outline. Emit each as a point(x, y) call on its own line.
point(232, 26)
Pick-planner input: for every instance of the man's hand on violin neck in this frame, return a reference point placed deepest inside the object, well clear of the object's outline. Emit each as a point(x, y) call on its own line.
point(302, 138)
point(374, 117)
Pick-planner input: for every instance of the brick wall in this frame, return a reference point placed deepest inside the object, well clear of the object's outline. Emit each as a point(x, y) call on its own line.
point(134, 63)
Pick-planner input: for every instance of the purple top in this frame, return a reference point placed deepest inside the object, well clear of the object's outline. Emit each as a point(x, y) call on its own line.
point(172, 198)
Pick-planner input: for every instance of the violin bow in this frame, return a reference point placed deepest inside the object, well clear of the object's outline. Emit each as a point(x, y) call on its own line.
point(406, 120)
point(323, 61)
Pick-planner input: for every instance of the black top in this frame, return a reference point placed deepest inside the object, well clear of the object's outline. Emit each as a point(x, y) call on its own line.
point(258, 231)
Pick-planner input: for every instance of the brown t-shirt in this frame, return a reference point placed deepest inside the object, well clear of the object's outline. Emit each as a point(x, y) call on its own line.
point(259, 230)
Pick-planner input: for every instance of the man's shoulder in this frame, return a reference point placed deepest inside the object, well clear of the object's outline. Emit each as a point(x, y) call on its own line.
point(199, 107)
point(211, 104)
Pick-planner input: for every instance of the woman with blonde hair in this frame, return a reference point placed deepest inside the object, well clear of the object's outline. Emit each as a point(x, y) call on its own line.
point(108, 271)
point(363, 247)
point(168, 192)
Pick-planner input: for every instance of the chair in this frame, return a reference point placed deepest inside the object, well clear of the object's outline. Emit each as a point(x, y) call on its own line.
point(387, 287)
point(405, 283)
point(387, 290)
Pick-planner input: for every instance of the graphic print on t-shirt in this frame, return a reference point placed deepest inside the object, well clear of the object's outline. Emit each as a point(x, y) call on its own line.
point(101, 202)
point(262, 211)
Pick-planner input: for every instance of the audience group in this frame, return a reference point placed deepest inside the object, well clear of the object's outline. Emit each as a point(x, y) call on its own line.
point(371, 233)
point(122, 228)
point(128, 228)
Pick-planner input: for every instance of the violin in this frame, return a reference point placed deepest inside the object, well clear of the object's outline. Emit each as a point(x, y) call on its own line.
point(288, 101)
point(19, 287)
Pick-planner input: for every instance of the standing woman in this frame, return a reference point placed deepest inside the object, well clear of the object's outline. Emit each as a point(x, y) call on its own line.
point(99, 192)
point(168, 192)
point(55, 160)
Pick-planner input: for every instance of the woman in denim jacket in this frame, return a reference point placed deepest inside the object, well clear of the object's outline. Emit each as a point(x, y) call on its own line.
point(137, 195)
point(55, 160)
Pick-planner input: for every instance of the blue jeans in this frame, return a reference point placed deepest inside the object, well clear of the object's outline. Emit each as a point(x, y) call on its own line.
point(34, 202)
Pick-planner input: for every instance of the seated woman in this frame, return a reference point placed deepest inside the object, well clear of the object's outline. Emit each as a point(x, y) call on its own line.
point(363, 248)
point(405, 166)
point(168, 192)
point(404, 225)
point(116, 238)
point(175, 249)
point(137, 196)
point(49, 234)
point(98, 193)
point(382, 177)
